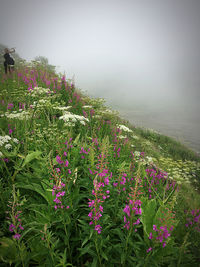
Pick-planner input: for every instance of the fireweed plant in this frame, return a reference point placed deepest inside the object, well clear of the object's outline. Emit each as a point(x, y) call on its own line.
point(79, 186)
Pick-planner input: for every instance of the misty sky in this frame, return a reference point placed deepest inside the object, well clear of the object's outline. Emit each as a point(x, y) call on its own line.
point(134, 53)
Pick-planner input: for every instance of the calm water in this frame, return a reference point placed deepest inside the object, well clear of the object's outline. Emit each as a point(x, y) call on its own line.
point(183, 125)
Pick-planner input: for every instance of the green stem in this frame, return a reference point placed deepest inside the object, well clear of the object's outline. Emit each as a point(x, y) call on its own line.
point(181, 249)
point(20, 253)
point(160, 200)
point(145, 264)
point(97, 249)
point(6, 168)
point(164, 201)
point(67, 240)
point(16, 171)
point(49, 247)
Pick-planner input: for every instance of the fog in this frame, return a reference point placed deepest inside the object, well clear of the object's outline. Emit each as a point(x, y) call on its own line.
point(142, 56)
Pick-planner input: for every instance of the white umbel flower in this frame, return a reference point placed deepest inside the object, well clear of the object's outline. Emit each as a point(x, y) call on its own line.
point(70, 117)
point(8, 146)
point(124, 128)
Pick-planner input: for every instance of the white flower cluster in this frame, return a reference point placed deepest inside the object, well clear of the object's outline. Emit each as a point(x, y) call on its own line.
point(122, 136)
point(87, 106)
point(4, 139)
point(41, 103)
point(93, 101)
point(47, 103)
point(62, 108)
point(4, 142)
point(124, 128)
point(21, 115)
point(40, 91)
point(135, 137)
point(149, 159)
point(71, 119)
point(107, 112)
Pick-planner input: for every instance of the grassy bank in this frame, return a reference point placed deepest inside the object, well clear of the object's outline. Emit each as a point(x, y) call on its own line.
point(81, 187)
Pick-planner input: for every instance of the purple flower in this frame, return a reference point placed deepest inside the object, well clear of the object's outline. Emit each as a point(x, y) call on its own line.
point(101, 208)
point(150, 236)
point(98, 228)
point(58, 170)
point(90, 215)
point(106, 180)
point(154, 227)
point(127, 210)
point(11, 227)
point(10, 106)
point(58, 159)
point(17, 236)
point(91, 203)
point(22, 228)
point(149, 249)
point(66, 163)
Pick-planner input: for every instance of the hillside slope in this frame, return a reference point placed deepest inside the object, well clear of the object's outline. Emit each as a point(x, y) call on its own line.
point(81, 187)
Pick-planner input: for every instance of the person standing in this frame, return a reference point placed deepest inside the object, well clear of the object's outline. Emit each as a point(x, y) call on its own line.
point(9, 61)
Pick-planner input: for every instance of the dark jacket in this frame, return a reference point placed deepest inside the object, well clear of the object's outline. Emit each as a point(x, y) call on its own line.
point(8, 59)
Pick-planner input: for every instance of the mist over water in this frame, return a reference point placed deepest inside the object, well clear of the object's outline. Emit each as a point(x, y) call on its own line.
point(168, 112)
point(181, 122)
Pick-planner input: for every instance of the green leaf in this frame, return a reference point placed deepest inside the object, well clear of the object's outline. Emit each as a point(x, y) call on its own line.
point(34, 187)
point(85, 250)
point(85, 241)
point(77, 138)
point(148, 214)
point(104, 255)
point(123, 258)
point(31, 156)
point(8, 250)
point(94, 262)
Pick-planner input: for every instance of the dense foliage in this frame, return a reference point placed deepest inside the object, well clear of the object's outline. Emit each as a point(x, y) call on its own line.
point(81, 187)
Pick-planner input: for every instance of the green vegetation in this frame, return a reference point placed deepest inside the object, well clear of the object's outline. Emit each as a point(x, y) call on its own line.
point(80, 186)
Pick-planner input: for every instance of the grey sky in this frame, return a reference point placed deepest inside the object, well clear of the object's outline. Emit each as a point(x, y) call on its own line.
point(132, 52)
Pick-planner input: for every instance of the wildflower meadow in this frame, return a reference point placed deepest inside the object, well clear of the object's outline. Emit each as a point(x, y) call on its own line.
point(80, 186)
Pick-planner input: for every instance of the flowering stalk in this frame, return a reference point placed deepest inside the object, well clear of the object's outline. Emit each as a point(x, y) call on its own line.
point(14, 220)
point(132, 209)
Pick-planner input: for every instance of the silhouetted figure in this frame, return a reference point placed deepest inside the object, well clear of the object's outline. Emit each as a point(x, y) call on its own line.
point(9, 61)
